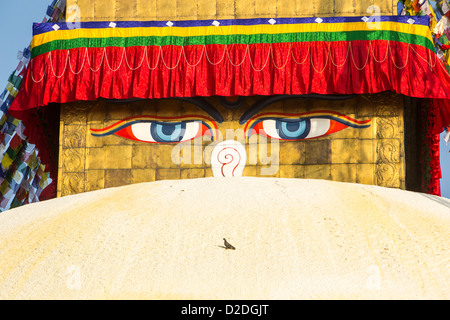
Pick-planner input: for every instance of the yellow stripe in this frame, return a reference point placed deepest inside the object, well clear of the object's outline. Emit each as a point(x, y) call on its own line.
point(227, 30)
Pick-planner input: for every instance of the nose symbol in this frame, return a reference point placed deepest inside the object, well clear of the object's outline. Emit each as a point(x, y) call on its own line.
point(228, 159)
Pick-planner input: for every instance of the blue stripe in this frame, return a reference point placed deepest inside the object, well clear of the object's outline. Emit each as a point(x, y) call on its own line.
point(39, 28)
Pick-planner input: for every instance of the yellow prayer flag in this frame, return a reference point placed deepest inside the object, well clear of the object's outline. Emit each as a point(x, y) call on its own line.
point(6, 161)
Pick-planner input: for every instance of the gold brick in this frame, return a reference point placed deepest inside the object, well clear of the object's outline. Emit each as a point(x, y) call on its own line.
point(291, 171)
point(365, 173)
point(181, 154)
point(347, 106)
point(146, 9)
point(143, 157)
point(168, 174)
point(95, 180)
point(291, 106)
point(208, 173)
point(251, 148)
point(143, 175)
point(207, 151)
point(387, 7)
point(116, 112)
point(118, 157)
point(192, 173)
point(95, 158)
point(317, 151)
point(270, 170)
point(265, 8)
point(344, 151)
point(105, 9)
point(244, 9)
point(186, 108)
point(186, 12)
point(163, 154)
point(318, 172)
point(169, 107)
point(288, 8)
point(225, 9)
point(365, 106)
point(126, 10)
point(323, 8)
point(345, 7)
point(232, 130)
point(280, 105)
point(292, 152)
point(207, 9)
point(367, 151)
point(361, 6)
point(249, 171)
point(166, 9)
point(117, 178)
point(268, 153)
point(97, 113)
point(305, 8)
point(196, 153)
point(85, 10)
point(343, 172)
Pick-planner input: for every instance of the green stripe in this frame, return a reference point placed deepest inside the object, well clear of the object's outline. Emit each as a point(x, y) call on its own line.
point(232, 39)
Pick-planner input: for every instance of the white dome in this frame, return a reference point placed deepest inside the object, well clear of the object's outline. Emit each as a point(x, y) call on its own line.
point(294, 239)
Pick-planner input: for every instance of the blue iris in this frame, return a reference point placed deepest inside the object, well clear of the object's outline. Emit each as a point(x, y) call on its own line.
point(293, 129)
point(168, 132)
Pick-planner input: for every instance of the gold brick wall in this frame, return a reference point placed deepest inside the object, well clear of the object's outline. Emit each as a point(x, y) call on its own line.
point(107, 10)
point(373, 155)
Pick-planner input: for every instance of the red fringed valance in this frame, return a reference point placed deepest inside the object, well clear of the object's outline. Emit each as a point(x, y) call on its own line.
point(356, 67)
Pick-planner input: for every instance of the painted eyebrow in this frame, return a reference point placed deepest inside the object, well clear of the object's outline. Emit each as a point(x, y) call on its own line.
point(330, 115)
point(121, 124)
point(263, 103)
point(196, 101)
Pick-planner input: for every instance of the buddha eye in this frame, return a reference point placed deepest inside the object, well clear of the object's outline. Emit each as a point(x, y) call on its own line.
point(302, 128)
point(161, 132)
point(156, 131)
point(292, 129)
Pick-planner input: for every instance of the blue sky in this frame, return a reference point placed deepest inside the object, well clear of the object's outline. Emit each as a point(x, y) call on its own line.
point(16, 18)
